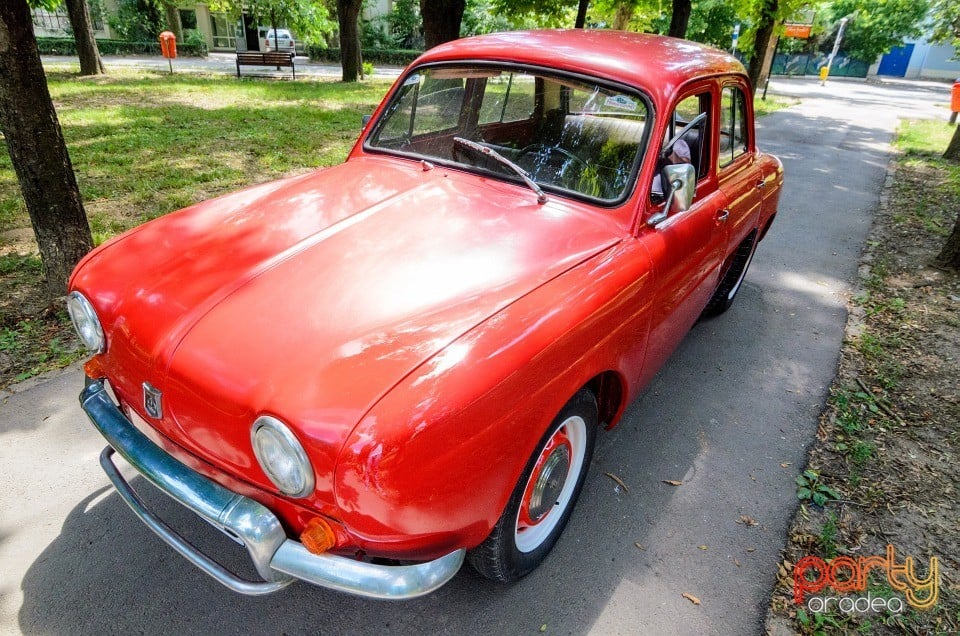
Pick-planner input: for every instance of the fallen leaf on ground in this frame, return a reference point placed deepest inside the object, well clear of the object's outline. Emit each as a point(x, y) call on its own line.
point(736, 562)
point(543, 627)
point(702, 547)
point(618, 480)
point(690, 597)
point(747, 521)
point(785, 464)
point(672, 482)
point(639, 546)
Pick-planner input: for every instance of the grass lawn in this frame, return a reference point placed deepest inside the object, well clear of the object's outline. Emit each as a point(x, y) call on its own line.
point(144, 144)
point(772, 104)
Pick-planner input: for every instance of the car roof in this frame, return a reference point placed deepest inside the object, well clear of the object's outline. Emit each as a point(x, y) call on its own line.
point(656, 63)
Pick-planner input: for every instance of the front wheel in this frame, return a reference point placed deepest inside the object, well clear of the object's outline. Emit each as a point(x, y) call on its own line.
point(543, 499)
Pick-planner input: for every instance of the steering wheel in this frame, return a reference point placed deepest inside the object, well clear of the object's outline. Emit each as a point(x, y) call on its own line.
point(544, 149)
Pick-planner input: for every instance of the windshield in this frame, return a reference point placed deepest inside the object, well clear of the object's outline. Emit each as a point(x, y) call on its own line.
point(569, 135)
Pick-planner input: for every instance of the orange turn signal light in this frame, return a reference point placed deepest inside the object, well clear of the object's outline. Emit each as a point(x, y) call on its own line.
point(317, 536)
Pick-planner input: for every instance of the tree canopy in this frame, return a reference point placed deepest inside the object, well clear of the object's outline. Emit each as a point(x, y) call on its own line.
point(876, 27)
point(946, 22)
point(309, 19)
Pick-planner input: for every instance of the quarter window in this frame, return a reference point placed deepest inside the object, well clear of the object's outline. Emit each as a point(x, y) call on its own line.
point(733, 125)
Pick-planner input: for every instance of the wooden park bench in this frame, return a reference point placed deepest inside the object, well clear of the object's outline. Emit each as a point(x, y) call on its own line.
point(270, 58)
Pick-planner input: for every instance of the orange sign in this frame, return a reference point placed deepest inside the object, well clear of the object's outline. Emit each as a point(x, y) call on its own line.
point(801, 31)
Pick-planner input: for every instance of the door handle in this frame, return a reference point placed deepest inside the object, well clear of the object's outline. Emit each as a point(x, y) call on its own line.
point(722, 215)
point(762, 183)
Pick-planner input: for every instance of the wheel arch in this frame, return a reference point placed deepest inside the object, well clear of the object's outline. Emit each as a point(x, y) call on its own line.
point(609, 388)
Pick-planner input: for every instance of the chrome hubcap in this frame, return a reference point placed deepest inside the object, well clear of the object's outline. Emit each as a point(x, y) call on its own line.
point(549, 484)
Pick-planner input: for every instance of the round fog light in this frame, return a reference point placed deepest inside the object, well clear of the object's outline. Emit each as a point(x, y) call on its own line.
point(282, 457)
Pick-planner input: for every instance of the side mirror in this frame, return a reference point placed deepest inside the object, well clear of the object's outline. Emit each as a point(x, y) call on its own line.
point(682, 180)
point(364, 120)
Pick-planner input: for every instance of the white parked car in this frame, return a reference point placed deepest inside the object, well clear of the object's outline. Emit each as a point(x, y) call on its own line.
point(280, 40)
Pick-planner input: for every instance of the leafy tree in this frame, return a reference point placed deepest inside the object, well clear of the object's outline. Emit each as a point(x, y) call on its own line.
point(82, 26)
point(679, 18)
point(876, 27)
point(946, 22)
point(78, 11)
point(37, 150)
point(137, 20)
point(406, 24)
point(441, 20)
point(483, 16)
point(310, 19)
point(946, 28)
point(547, 12)
point(768, 18)
point(348, 14)
point(172, 14)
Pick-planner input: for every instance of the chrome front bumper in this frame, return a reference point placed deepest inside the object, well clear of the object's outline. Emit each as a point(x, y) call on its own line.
point(277, 558)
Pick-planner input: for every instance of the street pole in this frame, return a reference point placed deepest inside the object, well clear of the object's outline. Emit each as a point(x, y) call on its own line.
point(773, 59)
point(825, 71)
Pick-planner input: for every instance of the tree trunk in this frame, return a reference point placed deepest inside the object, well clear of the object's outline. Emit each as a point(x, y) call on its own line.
point(762, 41)
point(621, 20)
point(348, 14)
point(173, 19)
point(82, 25)
point(441, 20)
point(581, 14)
point(37, 149)
point(679, 18)
point(950, 254)
point(952, 153)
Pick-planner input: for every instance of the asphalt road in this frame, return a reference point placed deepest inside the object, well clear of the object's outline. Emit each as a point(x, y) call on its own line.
point(731, 416)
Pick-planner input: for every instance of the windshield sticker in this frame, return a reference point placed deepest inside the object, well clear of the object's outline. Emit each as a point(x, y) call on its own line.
point(413, 79)
point(621, 101)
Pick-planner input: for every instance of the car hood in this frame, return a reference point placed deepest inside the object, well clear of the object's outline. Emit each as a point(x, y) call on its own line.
point(310, 298)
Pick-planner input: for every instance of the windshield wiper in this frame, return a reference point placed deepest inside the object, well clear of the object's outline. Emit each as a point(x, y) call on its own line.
point(490, 152)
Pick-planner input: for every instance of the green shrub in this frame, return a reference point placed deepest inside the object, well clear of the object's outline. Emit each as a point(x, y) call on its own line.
point(67, 46)
point(397, 57)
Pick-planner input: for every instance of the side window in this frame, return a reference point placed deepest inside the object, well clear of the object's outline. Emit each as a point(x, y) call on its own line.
point(508, 97)
point(438, 106)
point(733, 125)
point(693, 147)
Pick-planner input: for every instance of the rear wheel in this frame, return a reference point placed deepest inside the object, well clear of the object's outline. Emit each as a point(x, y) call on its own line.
point(543, 499)
point(727, 290)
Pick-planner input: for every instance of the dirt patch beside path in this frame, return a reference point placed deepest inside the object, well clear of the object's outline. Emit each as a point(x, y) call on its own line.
point(885, 466)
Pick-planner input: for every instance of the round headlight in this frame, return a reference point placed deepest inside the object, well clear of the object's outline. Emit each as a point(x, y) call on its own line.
point(282, 457)
point(86, 323)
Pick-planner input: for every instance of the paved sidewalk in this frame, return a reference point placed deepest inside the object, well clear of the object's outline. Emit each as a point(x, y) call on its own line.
point(216, 63)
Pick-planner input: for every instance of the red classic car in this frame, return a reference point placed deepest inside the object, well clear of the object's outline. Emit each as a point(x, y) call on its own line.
point(369, 373)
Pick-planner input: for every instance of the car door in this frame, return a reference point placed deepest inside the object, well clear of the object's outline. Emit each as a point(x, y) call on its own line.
point(738, 170)
point(686, 247)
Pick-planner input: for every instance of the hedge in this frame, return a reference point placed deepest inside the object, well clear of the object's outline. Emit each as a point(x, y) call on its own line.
point(67, 46)
point(399, 57)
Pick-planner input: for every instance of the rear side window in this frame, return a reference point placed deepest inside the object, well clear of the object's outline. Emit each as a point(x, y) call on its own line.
point(733, 125)
point(508, 97)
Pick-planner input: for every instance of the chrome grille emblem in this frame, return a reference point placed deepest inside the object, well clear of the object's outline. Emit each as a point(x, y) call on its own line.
point(151, 401)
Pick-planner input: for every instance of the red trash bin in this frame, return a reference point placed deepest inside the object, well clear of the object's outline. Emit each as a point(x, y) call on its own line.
point(955, 101)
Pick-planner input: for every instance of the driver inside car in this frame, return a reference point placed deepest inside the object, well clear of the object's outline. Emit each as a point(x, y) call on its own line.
point(679, 154)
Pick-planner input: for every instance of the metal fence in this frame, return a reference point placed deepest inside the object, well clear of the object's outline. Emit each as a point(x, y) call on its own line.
point(807, 64)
